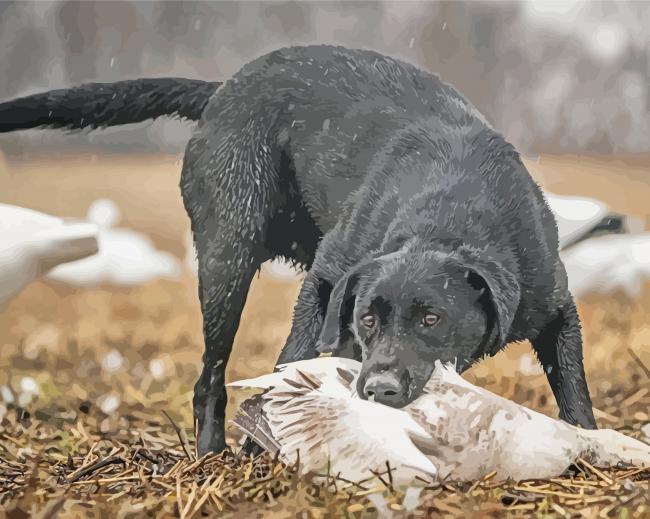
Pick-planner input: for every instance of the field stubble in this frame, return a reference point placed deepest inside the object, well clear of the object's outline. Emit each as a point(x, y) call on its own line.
point(95, 381)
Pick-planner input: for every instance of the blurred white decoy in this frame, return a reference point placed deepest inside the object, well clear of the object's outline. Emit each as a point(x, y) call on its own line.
point(578, 217)
point(32, 243)
point(595, 263)
point(455, 430)
point(125, 257)
point(608, 263)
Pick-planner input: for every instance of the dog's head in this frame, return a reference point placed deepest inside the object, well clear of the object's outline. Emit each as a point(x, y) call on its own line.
point(407, 309)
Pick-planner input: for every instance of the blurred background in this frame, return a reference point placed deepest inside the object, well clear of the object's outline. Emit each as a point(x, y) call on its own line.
point(567, 82)
point(553, 76)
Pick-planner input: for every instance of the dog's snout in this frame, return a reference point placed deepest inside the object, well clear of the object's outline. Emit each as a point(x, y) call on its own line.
point(384, 389)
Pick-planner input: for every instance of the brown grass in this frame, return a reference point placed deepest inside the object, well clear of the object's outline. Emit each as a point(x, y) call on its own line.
point(60, 454)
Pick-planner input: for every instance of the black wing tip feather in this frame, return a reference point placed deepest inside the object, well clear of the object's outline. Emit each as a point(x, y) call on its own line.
point(251, 421)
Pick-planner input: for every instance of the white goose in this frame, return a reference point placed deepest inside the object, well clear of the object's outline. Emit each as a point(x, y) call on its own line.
point(125, 257)
point(32, 243)
point(454, 430)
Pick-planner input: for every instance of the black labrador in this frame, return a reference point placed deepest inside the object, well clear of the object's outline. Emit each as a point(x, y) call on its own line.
point(423, 234)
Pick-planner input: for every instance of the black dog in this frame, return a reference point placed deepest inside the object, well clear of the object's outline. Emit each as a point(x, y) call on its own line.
point(424, 236)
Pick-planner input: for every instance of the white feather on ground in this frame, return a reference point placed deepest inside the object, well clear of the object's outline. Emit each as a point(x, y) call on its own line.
point(125, 257)
point(454, 430)
point(32, 243)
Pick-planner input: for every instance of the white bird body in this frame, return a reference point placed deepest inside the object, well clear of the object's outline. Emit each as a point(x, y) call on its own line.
point(454, 431)
point(478, 432)
point(125, 257)
point(32, 243)
point(303, 407)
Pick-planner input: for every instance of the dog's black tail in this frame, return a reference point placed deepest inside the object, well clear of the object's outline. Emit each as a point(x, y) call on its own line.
point(96, 105)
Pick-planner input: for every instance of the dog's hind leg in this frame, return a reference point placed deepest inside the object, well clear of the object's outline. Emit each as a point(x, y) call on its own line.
point(559, 349)
point(228, 185)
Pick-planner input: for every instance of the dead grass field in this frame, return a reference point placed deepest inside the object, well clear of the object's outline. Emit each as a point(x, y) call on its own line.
point(61, 454)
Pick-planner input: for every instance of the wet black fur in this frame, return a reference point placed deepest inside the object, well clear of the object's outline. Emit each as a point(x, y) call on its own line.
point(352, 163)
point(97, 105)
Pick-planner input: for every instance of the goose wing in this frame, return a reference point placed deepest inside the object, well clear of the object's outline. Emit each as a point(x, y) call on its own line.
point(352, 437)
point(312, 413)
point(336, 373)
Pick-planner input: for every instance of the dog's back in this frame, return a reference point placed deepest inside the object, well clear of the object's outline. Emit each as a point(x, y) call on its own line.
point(342, 113)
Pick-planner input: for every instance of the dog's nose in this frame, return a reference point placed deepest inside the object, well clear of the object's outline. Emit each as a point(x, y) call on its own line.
point(384, 389)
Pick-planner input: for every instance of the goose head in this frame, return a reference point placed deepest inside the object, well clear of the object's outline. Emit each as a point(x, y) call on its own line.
point(104, 213)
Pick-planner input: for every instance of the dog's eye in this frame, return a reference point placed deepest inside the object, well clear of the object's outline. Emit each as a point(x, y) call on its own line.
point(368, 320)
point(430, 320)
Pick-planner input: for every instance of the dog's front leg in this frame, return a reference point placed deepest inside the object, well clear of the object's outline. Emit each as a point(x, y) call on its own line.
point(302, 341)
point(559, 349)
point(308, 317)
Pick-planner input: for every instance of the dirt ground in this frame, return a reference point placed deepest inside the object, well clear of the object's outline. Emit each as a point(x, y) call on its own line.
point(109, 363)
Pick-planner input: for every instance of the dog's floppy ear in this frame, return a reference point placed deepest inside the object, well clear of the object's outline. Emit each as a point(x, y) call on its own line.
point(341, 303)
point(339, 311)
point(502, 286)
